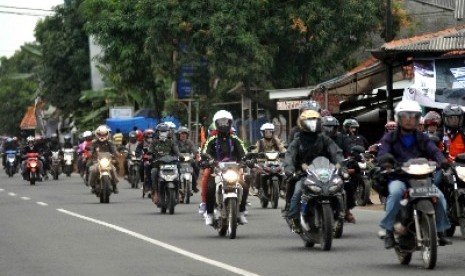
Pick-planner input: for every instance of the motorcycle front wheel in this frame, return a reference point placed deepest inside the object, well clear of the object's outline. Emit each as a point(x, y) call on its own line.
point(326, 223)
point(105, 183)
point(171, 200)
point(362, 192)
point(231, 205)
point(429, 247)
point(274, 193)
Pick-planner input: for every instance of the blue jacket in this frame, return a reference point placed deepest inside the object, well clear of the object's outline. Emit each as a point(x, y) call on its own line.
point(423, 146)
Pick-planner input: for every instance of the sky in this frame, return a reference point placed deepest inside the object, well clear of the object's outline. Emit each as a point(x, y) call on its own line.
point(17, 25)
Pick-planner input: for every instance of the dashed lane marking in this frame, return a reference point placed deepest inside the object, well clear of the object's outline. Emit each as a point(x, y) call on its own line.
point(25, 198)
point(169, 247)
point(42, 203)
point(1, 190)
point(12, 194)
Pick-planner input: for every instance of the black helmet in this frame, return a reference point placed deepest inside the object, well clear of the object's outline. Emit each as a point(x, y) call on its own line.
point(350, 123)
point(450, 111)
point(163, 131)
point(329, 121)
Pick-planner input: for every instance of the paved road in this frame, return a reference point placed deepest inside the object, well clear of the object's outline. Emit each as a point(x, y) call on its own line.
point(59, 228)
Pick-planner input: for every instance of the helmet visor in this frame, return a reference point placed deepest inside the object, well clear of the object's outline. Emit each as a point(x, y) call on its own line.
point(222, 122)
point(452, 121)
point(310, 124)
point(409, 114)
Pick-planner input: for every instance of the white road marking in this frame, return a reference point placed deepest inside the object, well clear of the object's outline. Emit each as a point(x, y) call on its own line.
point(169, 247)
point(42, 203)
point(25, 198)
point(1, 190)
point(12, 194)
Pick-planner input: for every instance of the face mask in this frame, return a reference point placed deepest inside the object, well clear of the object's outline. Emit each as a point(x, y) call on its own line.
point(310, 125)
point(163, 136)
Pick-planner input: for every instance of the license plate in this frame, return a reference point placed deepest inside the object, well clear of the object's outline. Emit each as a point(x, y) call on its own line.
point(424, 192)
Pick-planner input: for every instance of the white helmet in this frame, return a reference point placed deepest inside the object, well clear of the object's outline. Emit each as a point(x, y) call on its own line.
point(266, 126)
point(30, 139)
point(171, 125)
point(87, 133)
point(222, 114)
point(102, 133)
point(407, 106)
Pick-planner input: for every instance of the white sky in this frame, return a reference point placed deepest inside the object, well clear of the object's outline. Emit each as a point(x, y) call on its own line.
point(17, 29)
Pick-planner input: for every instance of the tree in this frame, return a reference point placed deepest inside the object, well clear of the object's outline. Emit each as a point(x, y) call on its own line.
point(65, 55)
point(18, 87)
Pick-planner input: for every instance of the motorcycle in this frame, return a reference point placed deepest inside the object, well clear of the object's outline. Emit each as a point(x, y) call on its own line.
point(68, 156)
point(415, 227)
point(271, 178)
point(322, 204)
point(168, 183)
point(357, 167)
point(55, 168)
point(32, 167)
point(103, 187)
point(186, 177)
point(227, 194)
point(134, 163)
point(454, 192)
point(11, 162)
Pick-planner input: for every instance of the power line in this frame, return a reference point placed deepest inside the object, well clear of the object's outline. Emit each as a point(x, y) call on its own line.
point(22, 8)
point(24, 13)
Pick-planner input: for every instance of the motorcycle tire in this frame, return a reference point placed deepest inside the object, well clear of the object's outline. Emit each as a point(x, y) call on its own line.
point(326, 221)
point(171, 200)
point(231, 205)
point(68, 170)
point(338, 228)
point(55, 175)
point(462, 227)
point(275, 193)
point(187, 191)
point(32, 178)
point(11, 171)
point(362, 192)
point(429, 248)
point(105, 189)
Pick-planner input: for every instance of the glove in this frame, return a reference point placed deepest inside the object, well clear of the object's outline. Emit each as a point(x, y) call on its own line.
point(445, 164)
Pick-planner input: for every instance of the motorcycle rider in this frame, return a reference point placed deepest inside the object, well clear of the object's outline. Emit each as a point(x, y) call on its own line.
point(400, 146)
point(142, 148)
point(102, 144)
point(55, 145)
point(131, 146)
point(30, 147)
point(305, 105)
point(268, 142)
point(44, 152)
point(310, 143)
point(453, 126)
point(351, 127)
point(187, 146)
point(222, 146)
point(162, 145)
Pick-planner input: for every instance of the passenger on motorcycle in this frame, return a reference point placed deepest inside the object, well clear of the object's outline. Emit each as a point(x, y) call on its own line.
point(55, 145)
point(67, 144)
point(400, 146)
point(162, 145)
point(269, 142)
point(308, 145)
point(30, 147)
point(223, 146)
point(453, 126)
point(44, 152)
point(102, 145)
point(142, 148)
point(187, 146)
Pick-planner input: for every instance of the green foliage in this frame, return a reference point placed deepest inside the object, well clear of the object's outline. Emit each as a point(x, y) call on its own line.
point(18, 86)
point(65, 52)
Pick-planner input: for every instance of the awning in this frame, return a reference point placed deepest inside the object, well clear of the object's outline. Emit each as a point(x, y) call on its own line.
point(29, 120)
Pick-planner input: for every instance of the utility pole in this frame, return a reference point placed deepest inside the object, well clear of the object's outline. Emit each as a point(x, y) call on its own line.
point(388, 63)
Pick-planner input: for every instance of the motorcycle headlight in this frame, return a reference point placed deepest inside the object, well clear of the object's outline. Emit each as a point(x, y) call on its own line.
point(104, 163)
point(335, 188)
point(230, 176)
point(460, 172)
point(33, 164)
point(362, 165)
point(315, 189)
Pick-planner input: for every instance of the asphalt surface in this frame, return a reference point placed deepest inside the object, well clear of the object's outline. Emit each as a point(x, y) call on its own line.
point(60, 228)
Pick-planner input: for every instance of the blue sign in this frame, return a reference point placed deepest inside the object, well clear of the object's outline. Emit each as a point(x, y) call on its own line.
point(184, 85)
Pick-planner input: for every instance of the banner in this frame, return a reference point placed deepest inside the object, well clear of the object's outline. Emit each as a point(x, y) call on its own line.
point(438, 82)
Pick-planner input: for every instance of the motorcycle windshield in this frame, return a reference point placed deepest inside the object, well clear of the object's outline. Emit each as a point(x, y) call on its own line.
point(168, 159)
point(322, 168)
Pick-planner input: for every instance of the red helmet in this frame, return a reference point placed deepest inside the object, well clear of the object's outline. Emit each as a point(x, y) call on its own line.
point(148, 133)
point(325, 112)
point(432, 118)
